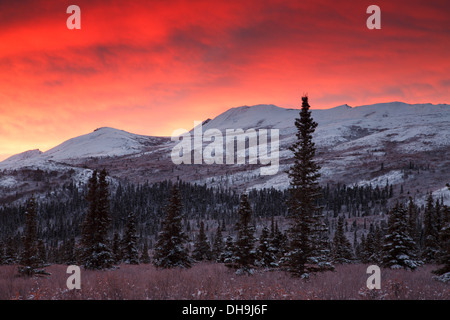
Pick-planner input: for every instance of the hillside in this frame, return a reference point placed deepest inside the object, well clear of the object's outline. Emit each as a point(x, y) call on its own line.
point(398, 143)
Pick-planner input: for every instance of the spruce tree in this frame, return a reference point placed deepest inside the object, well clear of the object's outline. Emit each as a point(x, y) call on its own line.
point(342, 248)
point(116, 248)
point(278, 241)
point(444, 241)
point(88, 225)
point(30, 262)
point(227, 255)
point(266, 252)
point(308, 234)
point(399, 247)
point(170, 248)
point(130, 253)
point(96, 254)
point(414, 228)
point(430, 232)
point(202, 249)
point(218, 245)
point(245, 254)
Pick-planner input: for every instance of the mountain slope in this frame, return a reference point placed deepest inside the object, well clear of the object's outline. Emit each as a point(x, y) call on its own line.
point(103, 142)
point(20, 157)
point(392, 142)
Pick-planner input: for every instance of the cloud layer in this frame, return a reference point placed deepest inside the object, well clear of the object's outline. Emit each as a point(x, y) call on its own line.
point(150, 67)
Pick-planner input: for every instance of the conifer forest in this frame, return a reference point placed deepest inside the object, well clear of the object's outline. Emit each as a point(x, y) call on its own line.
point(305, 234)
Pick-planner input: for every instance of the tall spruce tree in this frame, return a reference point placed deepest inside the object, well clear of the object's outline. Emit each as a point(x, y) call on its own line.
point(170, 250)
point(430, 232)
point(218, 245)
point(399, 248)
point(130, 253)
point(116, 248)
point(245, 254)
point(96, 254)
point(444, 241)
point(309, 251)
point(414, 227)
point(30, 262)
point(202, 249)
point(88, 224)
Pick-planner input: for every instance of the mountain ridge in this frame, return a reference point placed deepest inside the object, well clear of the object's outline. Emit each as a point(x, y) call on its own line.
point(353, 144)
point(229, 114)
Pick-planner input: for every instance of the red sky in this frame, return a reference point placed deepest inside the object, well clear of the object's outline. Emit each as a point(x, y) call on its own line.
point(150, 67)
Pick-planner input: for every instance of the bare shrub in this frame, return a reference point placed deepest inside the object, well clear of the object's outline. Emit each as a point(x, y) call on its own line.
point(210, 281)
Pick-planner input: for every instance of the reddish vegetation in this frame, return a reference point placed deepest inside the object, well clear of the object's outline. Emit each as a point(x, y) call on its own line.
point(215, 281)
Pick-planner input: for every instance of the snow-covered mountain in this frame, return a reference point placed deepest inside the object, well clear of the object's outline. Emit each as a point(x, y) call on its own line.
point(21, 157)
point(102, 142)
point(373, 144)
point(343, 123)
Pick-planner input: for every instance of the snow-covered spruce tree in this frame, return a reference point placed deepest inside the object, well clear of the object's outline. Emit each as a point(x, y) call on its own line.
point(372, 245)
point(170, 251)
point(202, 249)
point(444, 241)
point(278, 241)
point(96, 254)
point(218, 245)
point(245, 253)
point(266, 253)
point(227, 255)
point(30, 262)
point(308, 252)
point(88, 224)
point(430, 232)
point(399, 248)
point(342, 248)
point(130, 253)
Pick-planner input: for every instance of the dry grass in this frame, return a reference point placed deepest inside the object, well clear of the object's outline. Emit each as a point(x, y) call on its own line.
point(216, 282)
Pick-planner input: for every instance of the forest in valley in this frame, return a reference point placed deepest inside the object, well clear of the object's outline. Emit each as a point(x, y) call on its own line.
point(361, 212)
point(305, 230)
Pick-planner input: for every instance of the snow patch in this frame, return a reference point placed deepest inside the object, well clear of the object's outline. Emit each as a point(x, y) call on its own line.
point(7, 182)
point(392, 177)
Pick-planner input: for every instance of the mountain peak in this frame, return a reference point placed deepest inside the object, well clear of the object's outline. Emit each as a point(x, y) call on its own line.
point(102, 142)
point(343, 106)
point(107, 129)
